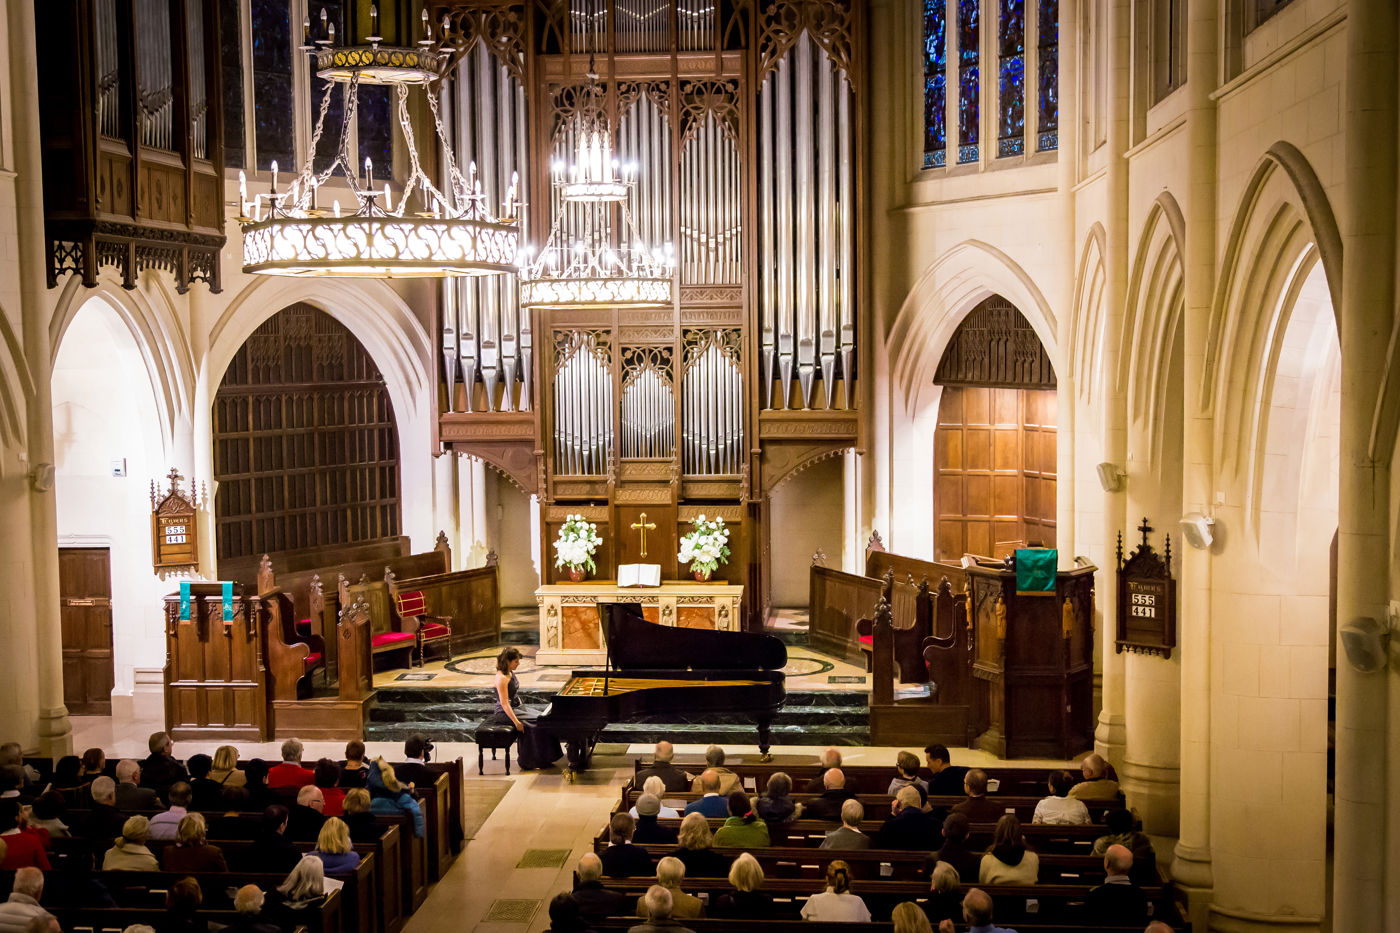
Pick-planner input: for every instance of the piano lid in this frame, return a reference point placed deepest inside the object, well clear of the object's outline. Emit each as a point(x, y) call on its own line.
point(636, 644)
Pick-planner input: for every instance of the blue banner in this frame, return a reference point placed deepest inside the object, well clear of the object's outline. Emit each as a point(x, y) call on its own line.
point(228, 600)
point(184, 600)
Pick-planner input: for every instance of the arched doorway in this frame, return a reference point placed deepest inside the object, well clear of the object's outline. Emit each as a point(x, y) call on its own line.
point(306, 451)
point(994, 446)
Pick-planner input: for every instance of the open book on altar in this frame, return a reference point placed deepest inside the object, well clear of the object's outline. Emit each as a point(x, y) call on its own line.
point(639, 575)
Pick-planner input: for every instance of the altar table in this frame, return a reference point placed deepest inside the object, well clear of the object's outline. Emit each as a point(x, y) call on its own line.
point(570, 633)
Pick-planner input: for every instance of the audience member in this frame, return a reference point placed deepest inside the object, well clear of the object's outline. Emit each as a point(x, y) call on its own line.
point(165, 826)
point(94, 764)
point(387, 795)
point(159, 769)
point(128, 851)
point(354, 771)
point(1097, 785)
point(1059, 809)
point(1009, 860)
point(907, 827)
point(225, 770)
point(908, 918)
point(622, 858)
point(47, 814)
point(743, 829)
point(68, 774)
point(947, 778)
point(290, 773)
point(649, 831)
point(746, 901)
point(182, 903)
point(831, 758)
point(776, 806)
point(227, 821)
point(656, 787)
point(104, 821)
point(255, 783)
point(303, 889)
point(131, 795)
point(358, 816)
point(1118, 900)
point(24, 846)
point(944, 894)
point(564, 916)
point(906, 767)
point(659, 906)
point(271, 849)
point(714, 761)
point(828, 805)
point(710, 803)
point(595, 901)
point(23, 904)
point(205, 794)
point(306, 817)
point(1157, 926)
point(47, 924)
point(193, 853)
point(248, 904)
point(695, 849)
point(334, 849)
point(1120, 832)
point(848, 834)
point(675, 780)
point(978, 807)
point(328, 780)
point(836, 902)
point(12, 784)
point(670, 872)
point(977, 914)
point(12, 753)
point(414, 772)
point(955, 852)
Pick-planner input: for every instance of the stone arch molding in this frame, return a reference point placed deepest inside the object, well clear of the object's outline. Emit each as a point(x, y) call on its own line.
point(939, 300)
point(150, 317)
point(1086, 340)
point(1156, 301)
point(376, 314)
point(1283, 226)
point(803, 462)
point(16, 389)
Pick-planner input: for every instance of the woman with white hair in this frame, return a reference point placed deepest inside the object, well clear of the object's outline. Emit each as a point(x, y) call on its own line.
point(305, 887)
point(657, 788)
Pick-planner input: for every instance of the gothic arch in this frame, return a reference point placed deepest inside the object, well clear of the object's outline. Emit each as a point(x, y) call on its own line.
point(1156, 300)
point(1086, 340)
point(942, 296)
point(16, 388)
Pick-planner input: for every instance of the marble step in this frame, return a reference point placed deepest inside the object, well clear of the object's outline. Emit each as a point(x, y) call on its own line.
point(471, 713)
point(645, 733)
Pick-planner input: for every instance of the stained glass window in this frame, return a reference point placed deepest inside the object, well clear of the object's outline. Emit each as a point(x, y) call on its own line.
point(274, 121)
point(231, 65)
point(1011, 78)
point(969, 102)
point(1048, 93)
point(378, 115)
point(935, 84)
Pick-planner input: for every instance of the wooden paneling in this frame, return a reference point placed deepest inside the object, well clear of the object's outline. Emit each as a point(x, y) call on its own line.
point(85, 600)
point(471, 598)
point(215, 684)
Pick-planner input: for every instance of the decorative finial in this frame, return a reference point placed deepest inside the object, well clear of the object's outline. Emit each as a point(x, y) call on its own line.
point(1144, 528)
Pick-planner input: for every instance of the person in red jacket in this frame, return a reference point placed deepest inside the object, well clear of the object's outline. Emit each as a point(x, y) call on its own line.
point(290, 773)
point(24, 847)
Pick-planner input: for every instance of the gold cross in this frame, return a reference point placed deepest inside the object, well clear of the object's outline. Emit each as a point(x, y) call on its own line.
point(643, 526)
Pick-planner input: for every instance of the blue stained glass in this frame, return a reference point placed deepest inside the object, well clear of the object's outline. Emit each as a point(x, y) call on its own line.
point(272, 84)
point(375, 110)
point(969, 98)
point(1048, 92)
point(1011, 78)
point(935, 83)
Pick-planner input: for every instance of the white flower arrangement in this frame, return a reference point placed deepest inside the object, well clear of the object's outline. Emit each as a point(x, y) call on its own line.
point(705, 547)
point(577, 541)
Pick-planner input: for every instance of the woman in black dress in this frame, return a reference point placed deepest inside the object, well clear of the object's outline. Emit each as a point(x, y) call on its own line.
point(535, 749)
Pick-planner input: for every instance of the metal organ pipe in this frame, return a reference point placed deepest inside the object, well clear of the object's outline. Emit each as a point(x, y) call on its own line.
point(847, 236)
point(504, 285)
point(767, 362)
point(469, 305)
point(782, 134)
point(826, 215)
point(486, 173)
point(806, 239)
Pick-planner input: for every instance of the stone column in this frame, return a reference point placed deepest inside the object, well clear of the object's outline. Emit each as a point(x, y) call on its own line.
point(1110, 737)
point(1064, 376)
point(1360, 873)
point(1191, 862)
point(55, 733)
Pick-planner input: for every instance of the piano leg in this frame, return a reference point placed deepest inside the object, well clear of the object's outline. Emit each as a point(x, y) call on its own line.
point(763, 740)
point(580, 754)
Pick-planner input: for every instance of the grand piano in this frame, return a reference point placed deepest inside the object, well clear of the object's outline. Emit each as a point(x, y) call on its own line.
point(656, 669)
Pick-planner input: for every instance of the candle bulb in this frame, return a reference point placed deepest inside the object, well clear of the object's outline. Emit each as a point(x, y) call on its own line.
point(335, 205)
point(388, 201)
point(242, 194)
point(274, 176)
point(306, 30)
point(314, 187)
point(374, 19)
point(369, 173)
point(427, 26)
point(330, 33)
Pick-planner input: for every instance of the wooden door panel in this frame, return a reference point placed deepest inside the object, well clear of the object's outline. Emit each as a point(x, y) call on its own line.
point(85, 619)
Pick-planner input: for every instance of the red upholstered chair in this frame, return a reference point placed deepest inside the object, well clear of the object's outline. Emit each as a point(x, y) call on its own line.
point(410, 610)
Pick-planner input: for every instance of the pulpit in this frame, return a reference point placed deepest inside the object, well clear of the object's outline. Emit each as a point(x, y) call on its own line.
point(1032, 663)
point(215, 679)
point(570, 631)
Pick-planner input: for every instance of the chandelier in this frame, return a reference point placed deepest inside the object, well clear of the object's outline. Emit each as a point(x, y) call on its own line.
point(418, 231)
point(580, 267)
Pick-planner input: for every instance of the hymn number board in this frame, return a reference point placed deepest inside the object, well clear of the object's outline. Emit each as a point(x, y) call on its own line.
point(174, 526)
point(1146, 598)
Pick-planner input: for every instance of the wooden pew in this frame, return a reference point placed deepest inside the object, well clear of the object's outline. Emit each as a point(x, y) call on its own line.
point(1011, 780)
point(145, 890)
point(791, 925)
point(106, 920)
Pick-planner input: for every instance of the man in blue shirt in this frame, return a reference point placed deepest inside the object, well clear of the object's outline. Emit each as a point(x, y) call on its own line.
point(712, 805)
point(977, 912)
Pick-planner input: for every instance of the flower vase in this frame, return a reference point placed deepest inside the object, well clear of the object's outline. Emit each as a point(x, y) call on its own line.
point(576, 574)
point(702, 576)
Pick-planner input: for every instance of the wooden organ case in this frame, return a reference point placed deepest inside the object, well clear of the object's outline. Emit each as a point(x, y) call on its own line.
point(742, 120)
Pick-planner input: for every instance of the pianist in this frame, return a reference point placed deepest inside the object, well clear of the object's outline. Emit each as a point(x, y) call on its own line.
point(537, 749)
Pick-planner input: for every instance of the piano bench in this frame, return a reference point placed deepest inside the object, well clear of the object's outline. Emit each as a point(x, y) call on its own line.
point(493, 736)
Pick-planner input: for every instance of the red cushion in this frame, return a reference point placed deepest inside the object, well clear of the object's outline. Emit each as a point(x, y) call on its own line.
point(412, 604)
point(390, 638)
point(866, 639)
point(313, 660)
point(435, 630)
